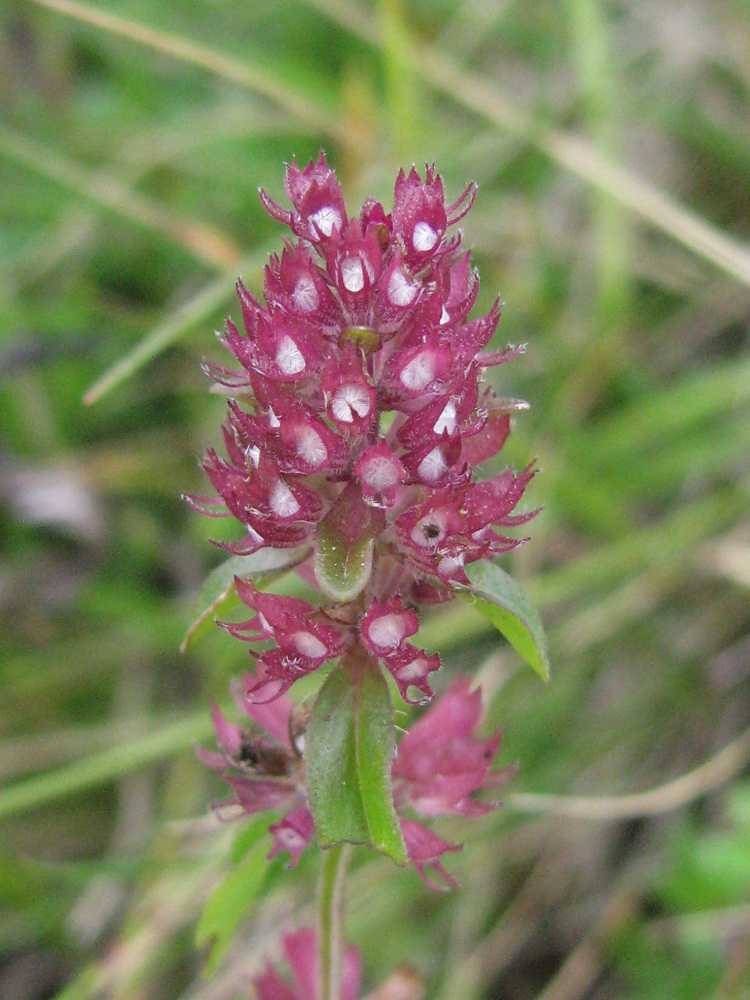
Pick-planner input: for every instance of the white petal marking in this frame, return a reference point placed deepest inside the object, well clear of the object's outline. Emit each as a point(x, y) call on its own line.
point(411, 671)
point(352, 274)
point(309, 644)
point(282, 501)
point(310, 447)
point(447, 419)
point(432, 466)
point(350, 398)
point(289, 358)
point(401, 292)
point(326, 219)
point(380, 473)
point(263, 622)
point(449, 564)
point(305, 294)
point(386, 632)
point(424, 237)
point(419, 372)
point(253, 535)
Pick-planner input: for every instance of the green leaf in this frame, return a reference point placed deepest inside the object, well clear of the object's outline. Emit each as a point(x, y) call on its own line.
point(342, 570)
point(230, 903)
point(499, 598)
point(218, 593)
point(172, 327)
point(344, 545)
point(350, 746)
point(251, 831)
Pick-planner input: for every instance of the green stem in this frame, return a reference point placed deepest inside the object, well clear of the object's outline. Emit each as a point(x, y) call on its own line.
point(330, 953)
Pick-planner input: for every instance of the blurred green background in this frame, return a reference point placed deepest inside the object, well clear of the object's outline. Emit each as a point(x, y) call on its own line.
point(612, 150)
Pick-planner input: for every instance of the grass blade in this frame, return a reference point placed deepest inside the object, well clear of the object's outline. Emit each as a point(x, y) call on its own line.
point(202, 241)
point(185, 50)
point(572, 152)
point(173, 327)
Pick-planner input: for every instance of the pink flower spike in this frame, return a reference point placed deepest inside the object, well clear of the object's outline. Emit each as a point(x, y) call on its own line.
point(358, 414)
point(292, 833)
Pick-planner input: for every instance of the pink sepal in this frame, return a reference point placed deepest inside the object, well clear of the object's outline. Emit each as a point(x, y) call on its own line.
point(425, 849)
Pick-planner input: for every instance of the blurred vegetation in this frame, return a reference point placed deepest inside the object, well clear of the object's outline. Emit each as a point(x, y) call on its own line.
point(611, 147)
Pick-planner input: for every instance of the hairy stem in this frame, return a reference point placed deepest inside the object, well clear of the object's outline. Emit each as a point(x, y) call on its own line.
point(330, 954)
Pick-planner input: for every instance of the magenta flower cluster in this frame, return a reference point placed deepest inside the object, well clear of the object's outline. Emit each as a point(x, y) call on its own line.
point(439, 766)
point(358, 413)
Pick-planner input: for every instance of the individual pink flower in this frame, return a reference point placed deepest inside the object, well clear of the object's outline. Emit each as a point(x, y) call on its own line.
point(264, 775)
point(358, 406)
point(439, 767)
point(301, 953)
point(305, 638)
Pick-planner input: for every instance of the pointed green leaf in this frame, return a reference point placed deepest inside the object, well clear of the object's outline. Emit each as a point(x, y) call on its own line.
point(251, 830)
point(331, 764)
point(344, 545)
point(350, 746)
point(230, 903)
point(500, 599)
point(375, 748)
point(342, 570)
point(217, 592)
